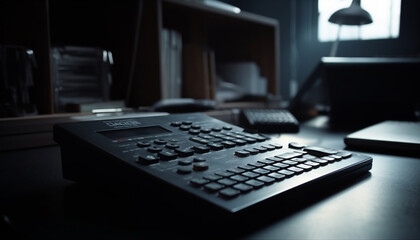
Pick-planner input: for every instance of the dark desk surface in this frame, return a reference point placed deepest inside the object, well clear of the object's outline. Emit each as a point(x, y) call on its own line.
point(40, 204)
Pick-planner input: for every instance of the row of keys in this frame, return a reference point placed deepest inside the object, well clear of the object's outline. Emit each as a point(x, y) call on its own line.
point(196, 128)
point(165, 150)
point(244, 178)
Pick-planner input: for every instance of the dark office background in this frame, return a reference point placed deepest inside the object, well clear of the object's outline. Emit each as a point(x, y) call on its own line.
point(300, 49)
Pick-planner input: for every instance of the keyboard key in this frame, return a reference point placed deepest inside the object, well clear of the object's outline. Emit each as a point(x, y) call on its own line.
point(251, 151)
point(269, 147)
point(289, 162)
point(281, 165)
point(299, 160)
point(185, 162)
point(287, 173)
point(227, 181)
point(236, 170)
point(176, 124)
point(308, 157)
point(296, 145)
point(265, 161)
point(271, 168)
point(184, 152)
point(229, 193)
point(277, 176)
point(213, 187)
point(224, 174)
point(198, 182)
point(276, 145)
point(336, 157)
point(154, 149)
point(256, 164)
point(243, 187)
point(250, 174)
point(266, 180)
point(239, 142)
point(313, 164)
point(246, 167)
point(261, 171)
point(212, 177)
point(274, 159)
point(194, 131)
point(344, 154)
point(255, 183)
point(172, 145)
point(242, 153)
point(260, 149)
point(329, 159)
point(166, 156)
point(228, 144)
point(147, 159)
point(304, 167)
point(238, 178)
point(289, 155)
point(320, 161)
point(319, 151)
point(160, 141)
point(199, 159)
point(201, 149)
point(143, 144)
point(295, 169)
point(250, 140)
point(215, 146)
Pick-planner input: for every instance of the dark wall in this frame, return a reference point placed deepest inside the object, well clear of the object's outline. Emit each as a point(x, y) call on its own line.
point(300, 49)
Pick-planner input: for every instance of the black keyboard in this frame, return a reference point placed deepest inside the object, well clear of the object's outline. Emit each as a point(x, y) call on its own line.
point(200, 156)
point(269, 120)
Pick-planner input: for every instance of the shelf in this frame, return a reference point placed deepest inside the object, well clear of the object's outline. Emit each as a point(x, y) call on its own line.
point(230, 37)
point(132, 31)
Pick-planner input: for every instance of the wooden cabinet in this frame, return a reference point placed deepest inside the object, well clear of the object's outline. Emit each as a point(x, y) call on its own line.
point(132, 31)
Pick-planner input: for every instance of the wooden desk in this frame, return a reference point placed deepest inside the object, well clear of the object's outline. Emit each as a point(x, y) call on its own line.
point(40, 204)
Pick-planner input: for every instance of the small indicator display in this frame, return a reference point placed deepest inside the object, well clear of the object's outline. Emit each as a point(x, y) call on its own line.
point(133, 132)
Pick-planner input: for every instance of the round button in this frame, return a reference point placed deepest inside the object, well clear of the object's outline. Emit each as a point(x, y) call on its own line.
point(205, 130)
point(154, 149)
point(176, 124)
point(159, 141)
point(195, 126)
point(194, 131)
point(184, 127)
point(172, 145)
point(184, 162)
point(143, 144)
point(186, 122)
point(227, 128)
point(200, 166)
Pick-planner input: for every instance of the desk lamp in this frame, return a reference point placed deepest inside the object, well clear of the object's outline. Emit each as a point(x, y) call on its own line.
point(354, 15)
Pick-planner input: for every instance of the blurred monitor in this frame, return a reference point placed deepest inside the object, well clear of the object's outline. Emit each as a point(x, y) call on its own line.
point(364, 91)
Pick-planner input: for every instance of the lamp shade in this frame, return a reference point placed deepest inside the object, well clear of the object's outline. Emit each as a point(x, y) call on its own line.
point(353, 15)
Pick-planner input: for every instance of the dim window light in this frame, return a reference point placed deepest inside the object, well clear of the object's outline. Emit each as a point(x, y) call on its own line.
point(385, 15)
